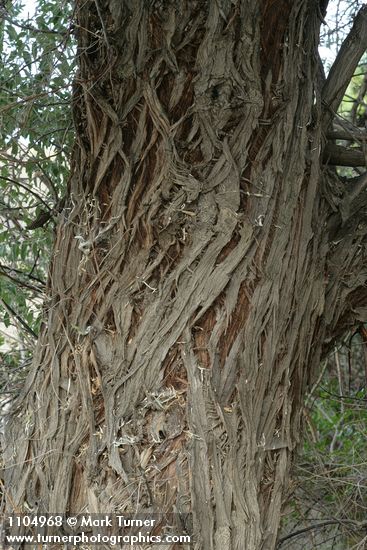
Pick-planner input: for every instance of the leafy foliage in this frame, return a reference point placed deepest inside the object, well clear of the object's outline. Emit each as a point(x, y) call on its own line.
point(353, 107)
point(339, 19)
point(38, 65)
point(329, 503)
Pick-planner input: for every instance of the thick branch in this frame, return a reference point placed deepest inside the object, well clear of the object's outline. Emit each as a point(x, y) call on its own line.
point(337, 155)
point(323, 4)
point(347, 135)
point(45, 216)
point(344, 66)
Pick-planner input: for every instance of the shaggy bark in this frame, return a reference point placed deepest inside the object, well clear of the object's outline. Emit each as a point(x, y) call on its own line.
point(205, 262)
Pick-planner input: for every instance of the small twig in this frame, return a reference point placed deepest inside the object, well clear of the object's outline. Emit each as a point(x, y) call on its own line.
point(28, 27)
point(361, 525)
point(18, 318)
point(18, 281)
point(102, 22)
point(30, 98)
point(363, 399)
point(16, 182)
point(28, 275)
point(321, 375)
point(34, 266)
point(340, 380)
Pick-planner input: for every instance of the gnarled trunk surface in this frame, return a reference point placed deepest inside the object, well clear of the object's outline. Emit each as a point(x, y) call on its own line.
point(200, 266)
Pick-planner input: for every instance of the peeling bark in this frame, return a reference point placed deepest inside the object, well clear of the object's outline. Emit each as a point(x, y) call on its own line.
point(202, 268)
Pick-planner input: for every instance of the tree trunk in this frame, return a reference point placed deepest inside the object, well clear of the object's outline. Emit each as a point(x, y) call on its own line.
point(203, 265)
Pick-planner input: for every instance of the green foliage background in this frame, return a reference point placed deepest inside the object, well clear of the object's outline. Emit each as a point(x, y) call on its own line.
point(37, 67)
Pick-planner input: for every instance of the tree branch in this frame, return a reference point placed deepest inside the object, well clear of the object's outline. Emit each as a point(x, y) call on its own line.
point(23, 274)
point(355, 524)
point(337, 396)
point(323, 4)
point(7, 273)
point(347, 135)
point(45, 216)
point(337, 155)
point(15, 315)
point(27, 27)
point(342, 70)
point(322, 9)
point(28, 189)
